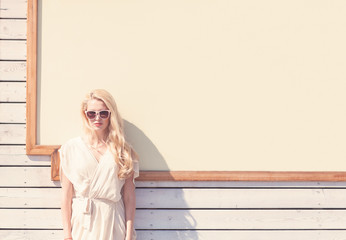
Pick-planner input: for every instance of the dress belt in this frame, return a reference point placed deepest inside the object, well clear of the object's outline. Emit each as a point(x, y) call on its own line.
point(87, 205)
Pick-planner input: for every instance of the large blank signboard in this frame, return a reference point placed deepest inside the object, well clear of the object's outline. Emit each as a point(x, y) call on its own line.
point(244, 87)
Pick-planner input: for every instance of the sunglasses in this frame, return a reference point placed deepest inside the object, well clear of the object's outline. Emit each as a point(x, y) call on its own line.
point(104, 114)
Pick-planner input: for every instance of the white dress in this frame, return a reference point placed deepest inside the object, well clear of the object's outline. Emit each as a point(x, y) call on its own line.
point(98, 211)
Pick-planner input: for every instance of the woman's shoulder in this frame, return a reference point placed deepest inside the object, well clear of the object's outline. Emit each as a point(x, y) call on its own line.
point(72, 142)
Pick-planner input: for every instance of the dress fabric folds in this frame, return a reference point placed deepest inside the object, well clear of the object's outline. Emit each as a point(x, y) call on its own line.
point(98, 211)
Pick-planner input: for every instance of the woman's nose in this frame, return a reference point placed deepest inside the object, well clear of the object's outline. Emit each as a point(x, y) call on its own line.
point(98, 116)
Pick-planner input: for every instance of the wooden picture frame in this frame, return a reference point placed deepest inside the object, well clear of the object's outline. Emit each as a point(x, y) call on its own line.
point(52, 150)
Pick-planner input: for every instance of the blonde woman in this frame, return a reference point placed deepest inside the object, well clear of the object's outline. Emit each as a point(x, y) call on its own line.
point(97, 175)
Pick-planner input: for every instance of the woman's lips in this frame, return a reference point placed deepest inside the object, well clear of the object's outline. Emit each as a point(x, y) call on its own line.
point(97, 124)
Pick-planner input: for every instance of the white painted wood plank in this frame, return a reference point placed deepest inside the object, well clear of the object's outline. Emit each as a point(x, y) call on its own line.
point(240, 219)
point(12, 29)
point(188, 235)
point(13, 9)
point(12, 50)
point(30, 218)
point(241, 235)
point(192, 198)
point(22, 159)
point(12, 91)
point(230, 184)
point(241, 198)
point(194, 219)
point(6, 150)
point(12, 112)
point(12, 71)
point(26, 177)
point(31, 234)
point(12, 133)
point(30, 197)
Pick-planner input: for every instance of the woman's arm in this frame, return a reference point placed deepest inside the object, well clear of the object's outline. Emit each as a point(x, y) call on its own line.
point(66, 205)
point(130, 206)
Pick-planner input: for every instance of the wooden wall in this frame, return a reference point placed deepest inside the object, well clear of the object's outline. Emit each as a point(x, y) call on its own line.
point(30, 202)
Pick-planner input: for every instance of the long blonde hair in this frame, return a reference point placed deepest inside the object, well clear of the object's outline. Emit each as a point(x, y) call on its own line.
point(115, 138)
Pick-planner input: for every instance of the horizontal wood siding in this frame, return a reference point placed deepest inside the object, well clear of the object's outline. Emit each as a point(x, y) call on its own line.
point(12, 92)
point(30, 201)
point(12, 134)
point(12, 29)
point(191, 219)
point(13, 50)
point(190, 235)
point(175, 198)
point(12, 71)
point(13, 9)
point(12, 113)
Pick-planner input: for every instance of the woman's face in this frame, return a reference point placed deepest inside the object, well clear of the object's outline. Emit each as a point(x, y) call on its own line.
point(98, 123)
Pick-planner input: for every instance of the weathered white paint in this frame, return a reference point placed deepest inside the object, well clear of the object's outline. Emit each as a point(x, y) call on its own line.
point(26, 177)
point(26, 160)
point(31, 235)
point(241, 198)
point(30, 197)
point(12, 113)
point(13, 9)
point(12, 50)
point(12, 134)
point(5, 150)
point(12, 91)
point(242, 235)
point(193, 219)
point(12, 29)
point(168, 198)
point(189, 235)
point(12, 71)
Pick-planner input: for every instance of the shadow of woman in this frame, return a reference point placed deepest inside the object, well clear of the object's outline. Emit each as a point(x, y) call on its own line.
point(162, 210)
point(150, 156)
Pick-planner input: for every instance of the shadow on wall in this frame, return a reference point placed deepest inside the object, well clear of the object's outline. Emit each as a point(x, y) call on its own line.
point(159, 209)
point(149, 156)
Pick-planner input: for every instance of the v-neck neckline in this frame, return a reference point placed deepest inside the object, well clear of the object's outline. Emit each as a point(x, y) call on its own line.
point(90, 152)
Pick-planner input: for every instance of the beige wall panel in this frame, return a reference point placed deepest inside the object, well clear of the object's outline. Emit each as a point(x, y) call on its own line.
point(13, 9)
point(12, 113)
point(12, 91)
point(227, 85)
point(12, 29)
point(12, 71)
point(12, 50)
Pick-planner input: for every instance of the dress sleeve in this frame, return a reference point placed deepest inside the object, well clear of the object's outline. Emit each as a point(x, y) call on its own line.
point(65, 162)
